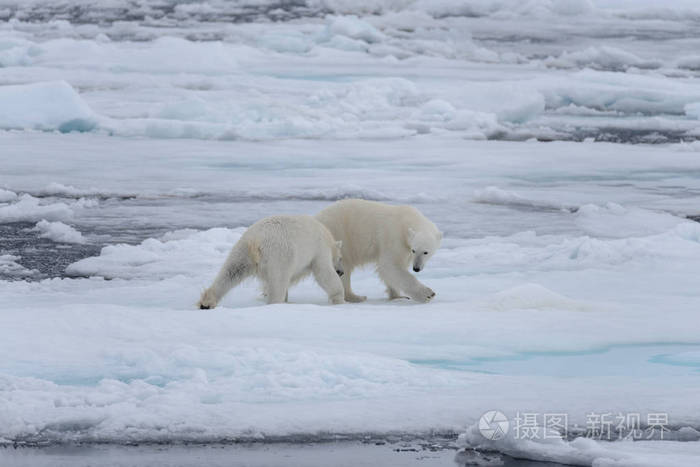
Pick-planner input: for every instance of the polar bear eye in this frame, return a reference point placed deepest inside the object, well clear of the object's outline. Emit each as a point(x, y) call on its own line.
point(413, 251)
point(425, 252)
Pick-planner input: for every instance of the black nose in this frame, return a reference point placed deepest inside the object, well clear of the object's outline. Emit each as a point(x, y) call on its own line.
point(340, 273)
point(416, 269)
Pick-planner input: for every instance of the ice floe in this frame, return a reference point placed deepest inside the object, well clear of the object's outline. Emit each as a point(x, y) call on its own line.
point(59, 232)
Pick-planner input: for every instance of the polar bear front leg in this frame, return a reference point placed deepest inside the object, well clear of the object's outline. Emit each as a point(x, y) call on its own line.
point(397, 278)
point(349, 295)
point(328, 279)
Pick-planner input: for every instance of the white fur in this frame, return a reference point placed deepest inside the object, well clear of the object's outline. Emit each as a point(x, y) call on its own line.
point(379, 233)
point(280, 251)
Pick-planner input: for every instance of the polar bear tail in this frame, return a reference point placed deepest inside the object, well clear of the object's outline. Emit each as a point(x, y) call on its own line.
point(241, 262)
point(253, 252)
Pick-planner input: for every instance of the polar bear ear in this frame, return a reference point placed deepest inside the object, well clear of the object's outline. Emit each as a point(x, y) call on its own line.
point(410, 234)
point(339, 244)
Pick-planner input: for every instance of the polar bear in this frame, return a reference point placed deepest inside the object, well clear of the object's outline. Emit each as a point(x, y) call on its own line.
point(393, 237)
point(280, 251)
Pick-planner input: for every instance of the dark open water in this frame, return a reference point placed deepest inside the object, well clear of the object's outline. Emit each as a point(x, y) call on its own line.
point(336, 454)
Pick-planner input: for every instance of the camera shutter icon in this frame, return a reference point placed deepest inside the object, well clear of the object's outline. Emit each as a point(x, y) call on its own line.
point(494, 425)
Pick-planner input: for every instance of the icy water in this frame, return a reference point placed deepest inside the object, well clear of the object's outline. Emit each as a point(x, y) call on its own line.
point(41, 257)
point(341, 454)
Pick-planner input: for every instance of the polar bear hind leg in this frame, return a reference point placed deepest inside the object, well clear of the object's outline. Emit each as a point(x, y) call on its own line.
point(236, 269)
point(275, 285)
point(328, 279)
point(295, 280)
point(349, 294)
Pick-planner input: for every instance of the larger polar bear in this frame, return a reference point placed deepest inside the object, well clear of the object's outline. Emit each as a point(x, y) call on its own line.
point(393, 237)
point(280, 251)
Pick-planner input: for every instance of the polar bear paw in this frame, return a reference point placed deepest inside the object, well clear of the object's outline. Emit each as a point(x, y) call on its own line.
point(337, 299)
point(208, 300)
point(395, 295)
point(352, 298)
point(423, 295)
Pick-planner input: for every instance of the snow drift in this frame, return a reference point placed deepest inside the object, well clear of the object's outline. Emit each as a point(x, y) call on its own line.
point(44, 106)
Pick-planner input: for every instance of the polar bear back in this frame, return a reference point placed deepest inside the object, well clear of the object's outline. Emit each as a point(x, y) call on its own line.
point(295, 239)
point(369, 229)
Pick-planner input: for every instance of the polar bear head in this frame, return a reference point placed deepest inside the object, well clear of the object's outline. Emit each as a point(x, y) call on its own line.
point(423, 244)
point(338, 258)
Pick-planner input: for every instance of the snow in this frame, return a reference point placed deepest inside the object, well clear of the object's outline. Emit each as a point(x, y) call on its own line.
point(567, 278)
point(613, 220)
point(612, 273)
point(177, 252)
point(495, 195)
point(60, 190)
point(603, 58)
point(163, 55)
point(59, 232)
point(693, 110)
point(9, 267)
point(691, 62)
point(29, 208)
point(7, 195)
point(353, 27)
point(17, 52)
point(533, 297)
point(176, 77)
point(44, 106)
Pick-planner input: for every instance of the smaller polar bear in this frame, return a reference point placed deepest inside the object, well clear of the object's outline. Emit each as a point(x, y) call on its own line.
point(280, 251)
point(393, 237)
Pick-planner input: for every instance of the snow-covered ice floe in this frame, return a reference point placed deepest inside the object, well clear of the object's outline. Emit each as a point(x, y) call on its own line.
point(44, 106)
point(29, 208)
point(186, 71)
point(7, 195)
point(59, 232)
point(10, 268)
point(565, 284)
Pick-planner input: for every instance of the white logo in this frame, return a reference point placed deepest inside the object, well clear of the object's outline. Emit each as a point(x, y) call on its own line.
point(493, 425)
